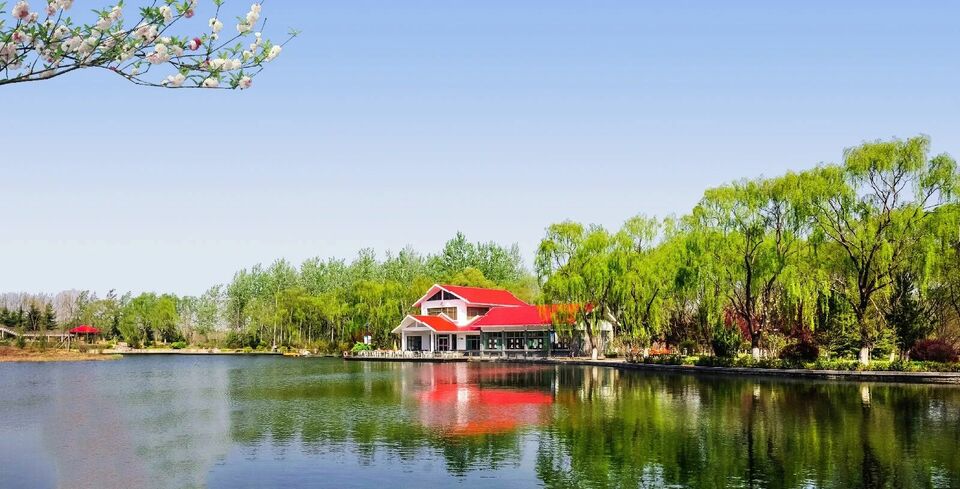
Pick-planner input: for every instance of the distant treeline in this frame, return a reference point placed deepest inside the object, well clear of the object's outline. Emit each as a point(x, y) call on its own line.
point(860, 258)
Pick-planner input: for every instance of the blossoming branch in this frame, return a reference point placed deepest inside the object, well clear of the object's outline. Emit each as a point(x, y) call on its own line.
point(39, 45)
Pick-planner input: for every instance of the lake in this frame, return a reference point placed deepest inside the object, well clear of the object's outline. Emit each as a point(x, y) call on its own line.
point(182, 421)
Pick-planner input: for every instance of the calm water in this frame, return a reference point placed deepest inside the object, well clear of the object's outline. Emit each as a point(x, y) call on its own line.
point(267, 422)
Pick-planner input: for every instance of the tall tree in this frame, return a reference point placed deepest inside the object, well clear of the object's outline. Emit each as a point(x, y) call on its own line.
point(573, 263)
point(871, 211)
point(753, 231)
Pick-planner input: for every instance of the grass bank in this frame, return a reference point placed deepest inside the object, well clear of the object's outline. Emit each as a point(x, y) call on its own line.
point(14, 354)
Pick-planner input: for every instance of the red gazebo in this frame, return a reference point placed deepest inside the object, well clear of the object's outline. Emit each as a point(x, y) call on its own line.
point(85, 329)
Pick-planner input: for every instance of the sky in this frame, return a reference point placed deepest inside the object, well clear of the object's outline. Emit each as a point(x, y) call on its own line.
point(392, 124)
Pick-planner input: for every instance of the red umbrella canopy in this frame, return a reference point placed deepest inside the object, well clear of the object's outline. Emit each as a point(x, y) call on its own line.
point(84, 329)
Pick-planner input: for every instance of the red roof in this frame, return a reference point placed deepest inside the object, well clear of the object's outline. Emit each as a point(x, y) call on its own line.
point(522, 316)
point(84, 329)
point(477, 295)
point(439, 323)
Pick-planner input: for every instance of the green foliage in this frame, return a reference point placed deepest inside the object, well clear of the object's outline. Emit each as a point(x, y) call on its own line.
point(906, 314)
point(178, 345)
point(726, 342)
point(357, 347)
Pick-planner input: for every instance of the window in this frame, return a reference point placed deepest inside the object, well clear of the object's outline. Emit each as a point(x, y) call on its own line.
point(414, 343)
point(494, 341)
point(443, 343)
point(558, 342)
point(514, 340)
point(473, 343)
point(442, 295)
point(473, 312)
point(451, 312)
point(535, 340)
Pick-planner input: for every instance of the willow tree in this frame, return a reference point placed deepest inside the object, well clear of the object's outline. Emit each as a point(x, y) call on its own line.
point(752, 232)
point(644, 271)
point(872, 210)
point(573, 262)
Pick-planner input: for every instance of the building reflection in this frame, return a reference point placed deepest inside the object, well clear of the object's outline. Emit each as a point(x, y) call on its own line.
point(455, 399)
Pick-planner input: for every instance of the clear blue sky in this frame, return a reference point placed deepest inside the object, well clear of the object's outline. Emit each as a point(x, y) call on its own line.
point(398, 123)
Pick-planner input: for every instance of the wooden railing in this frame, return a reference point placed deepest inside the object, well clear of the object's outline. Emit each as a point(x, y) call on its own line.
point(391, 354)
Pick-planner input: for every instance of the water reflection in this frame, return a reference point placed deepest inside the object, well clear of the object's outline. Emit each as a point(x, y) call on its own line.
point(459, 400)
point(242, 422)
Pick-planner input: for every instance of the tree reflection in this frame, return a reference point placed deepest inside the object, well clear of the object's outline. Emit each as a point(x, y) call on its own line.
point(599, 427)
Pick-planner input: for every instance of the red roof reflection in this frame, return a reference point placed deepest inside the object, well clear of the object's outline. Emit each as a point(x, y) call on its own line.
point(455, 400)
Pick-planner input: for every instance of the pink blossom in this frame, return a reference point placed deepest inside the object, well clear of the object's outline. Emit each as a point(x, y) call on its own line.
point(21, 10)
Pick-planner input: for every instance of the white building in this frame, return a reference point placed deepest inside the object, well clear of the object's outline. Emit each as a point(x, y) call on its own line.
point(475, 320)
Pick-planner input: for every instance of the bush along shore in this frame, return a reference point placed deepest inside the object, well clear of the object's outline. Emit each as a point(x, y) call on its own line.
point(747, 361)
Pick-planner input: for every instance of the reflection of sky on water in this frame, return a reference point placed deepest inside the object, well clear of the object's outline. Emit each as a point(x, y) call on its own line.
point(107, 425)
point(459, 400)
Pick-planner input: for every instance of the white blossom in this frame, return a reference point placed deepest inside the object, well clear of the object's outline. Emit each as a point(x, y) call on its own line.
point(104, 23)
point(72, 44)
point(274, 52)
point(21, 10)
point(245, 82)
point(215, 25)
point(175, 80)
point(167, 14)
point(159, 55)
point(146, 32)
point(211, 83)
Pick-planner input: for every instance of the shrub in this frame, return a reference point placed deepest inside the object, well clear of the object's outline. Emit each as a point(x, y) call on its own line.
point(726, 342)
point(360, 347)
point(800, 352)
point(178, 345)
point(241, 340)
point(247, 349)
point(342, 347)
point(933, 351)
point(663, 359)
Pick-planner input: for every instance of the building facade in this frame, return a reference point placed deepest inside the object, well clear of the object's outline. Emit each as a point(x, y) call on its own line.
point(475, 320)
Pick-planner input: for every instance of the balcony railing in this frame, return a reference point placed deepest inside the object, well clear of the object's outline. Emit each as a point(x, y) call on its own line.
point(391, 354)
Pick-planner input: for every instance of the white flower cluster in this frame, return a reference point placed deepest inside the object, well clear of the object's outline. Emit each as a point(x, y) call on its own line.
point(167, 14)
point(215, 27)
point(21, 12)
point(9, 55)
point(250, 21)
point(274, 52)
point(175, 80)
point(104, 23)
point(146, 32)
point(54, 5)
point(224, 64)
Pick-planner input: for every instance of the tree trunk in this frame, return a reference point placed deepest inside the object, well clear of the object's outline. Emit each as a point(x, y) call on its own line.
point(865, 355)
point(755, 345)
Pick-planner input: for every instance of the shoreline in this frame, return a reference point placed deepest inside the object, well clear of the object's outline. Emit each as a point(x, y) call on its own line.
point(840, 375)
point(187, 351)
point(17, 355)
